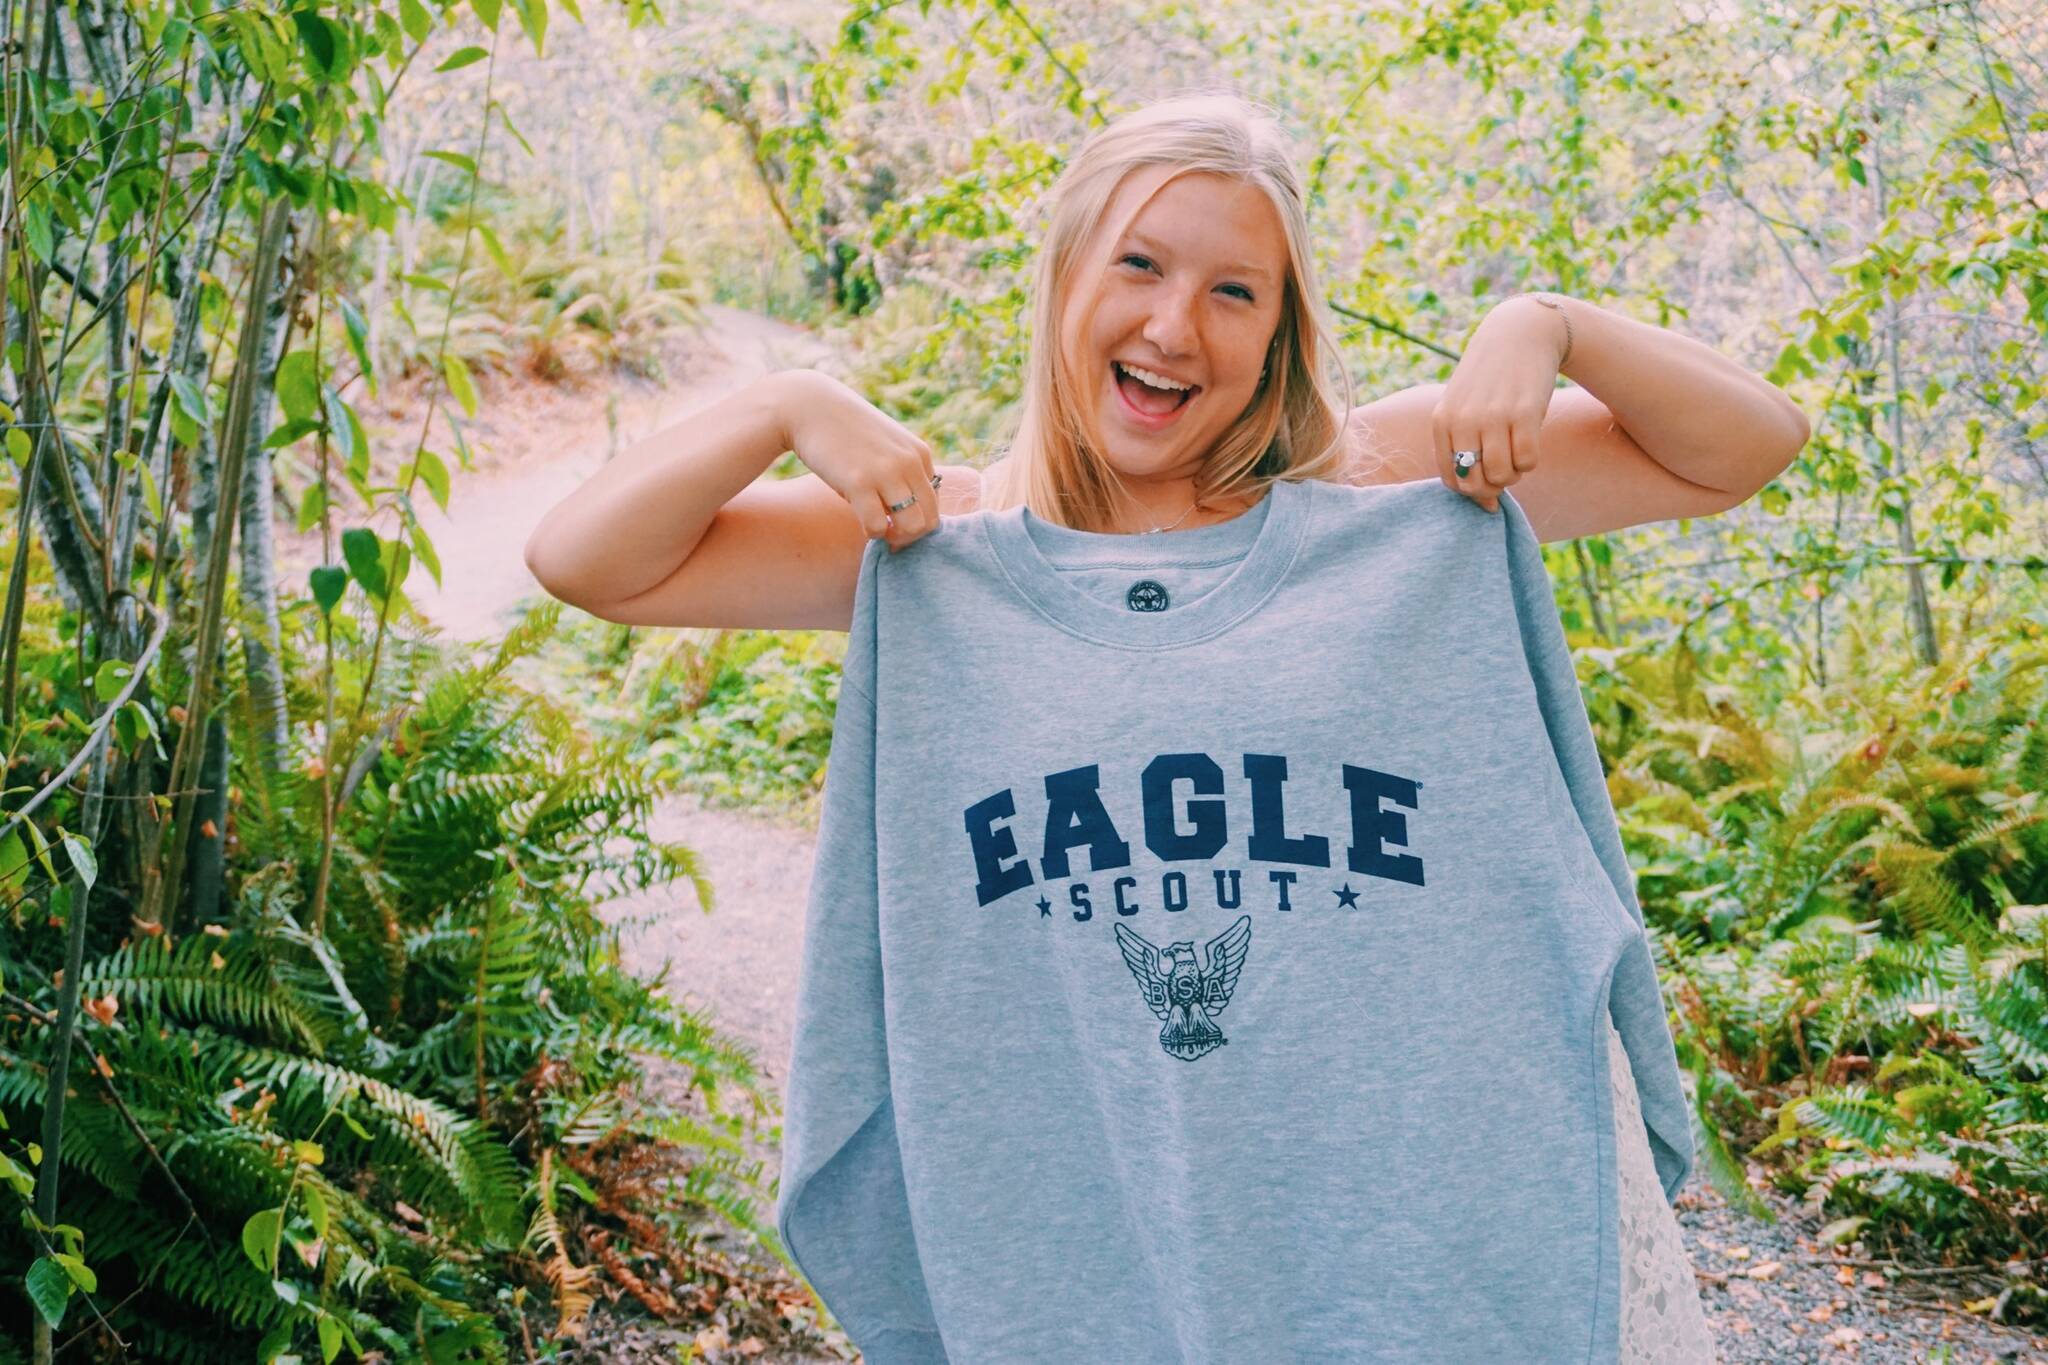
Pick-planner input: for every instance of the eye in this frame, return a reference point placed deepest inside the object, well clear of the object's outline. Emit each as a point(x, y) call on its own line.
point(1144, 262)
point(1242, 292)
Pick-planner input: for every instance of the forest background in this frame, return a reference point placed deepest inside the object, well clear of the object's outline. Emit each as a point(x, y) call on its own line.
point(313, 1038)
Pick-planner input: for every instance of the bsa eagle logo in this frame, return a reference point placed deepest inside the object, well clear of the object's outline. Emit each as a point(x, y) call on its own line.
point(1147, 594)
point(1185, 991)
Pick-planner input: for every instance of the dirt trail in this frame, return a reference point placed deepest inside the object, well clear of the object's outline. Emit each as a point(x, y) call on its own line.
point(537, 455)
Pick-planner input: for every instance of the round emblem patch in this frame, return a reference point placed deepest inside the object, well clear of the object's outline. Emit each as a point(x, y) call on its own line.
point(1146, 595)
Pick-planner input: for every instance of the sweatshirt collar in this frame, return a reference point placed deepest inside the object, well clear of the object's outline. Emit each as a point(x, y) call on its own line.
point(1032, 552)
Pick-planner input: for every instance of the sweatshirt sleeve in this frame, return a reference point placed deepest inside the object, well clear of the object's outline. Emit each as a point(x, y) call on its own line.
point(1636, 1000)
point(841, 1208)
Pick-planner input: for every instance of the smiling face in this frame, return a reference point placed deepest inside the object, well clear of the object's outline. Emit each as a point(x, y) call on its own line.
point(1187, 300)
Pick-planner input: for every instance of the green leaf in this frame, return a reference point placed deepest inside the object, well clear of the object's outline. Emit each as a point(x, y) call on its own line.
point(486, 10)
point(414, 17)
point(112, 676)
point(456, 159)
point(423, 546)
point(271, 1350)
point(533, 17)
point(505, 117)
point(80, 853)
point(308, 1152)
point(135, 721)
point(317, 39)
point(329, 583)
point(290, 430)
point(154, 498)
point(462, 57)
point(497, 250)
point(316, 1211)
point(35, 835)
point(359, 342)
point(459, 382)
point(191, 398)
point(259, 1238)
point(81, 1274)
point(49, 1289)
point(312, 505)
point(330, 1339)
point(435, 473)
point(14, 860)
point(361, 548)
point(298, 385)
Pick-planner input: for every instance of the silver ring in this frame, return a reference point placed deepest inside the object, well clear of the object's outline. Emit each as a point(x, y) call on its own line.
point(899, 506)
point(1463, 460)
point(934, 479)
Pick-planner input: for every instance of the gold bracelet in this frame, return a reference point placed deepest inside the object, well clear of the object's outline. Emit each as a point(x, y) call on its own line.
point(1558, 305)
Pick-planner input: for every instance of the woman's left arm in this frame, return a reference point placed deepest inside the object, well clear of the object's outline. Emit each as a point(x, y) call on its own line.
point(1660, 426)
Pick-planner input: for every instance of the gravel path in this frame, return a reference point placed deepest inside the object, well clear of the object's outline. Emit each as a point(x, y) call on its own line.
point(1771, 1293)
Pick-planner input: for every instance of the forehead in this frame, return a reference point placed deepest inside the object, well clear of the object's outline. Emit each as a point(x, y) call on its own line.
point(1208, 220)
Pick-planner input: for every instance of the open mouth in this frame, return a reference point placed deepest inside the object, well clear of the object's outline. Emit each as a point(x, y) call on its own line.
point(1147, 399)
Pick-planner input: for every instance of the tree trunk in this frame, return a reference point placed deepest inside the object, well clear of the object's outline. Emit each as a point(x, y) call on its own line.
point(262, 636)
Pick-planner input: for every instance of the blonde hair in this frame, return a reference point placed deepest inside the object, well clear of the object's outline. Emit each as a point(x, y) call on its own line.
point(1294, 428)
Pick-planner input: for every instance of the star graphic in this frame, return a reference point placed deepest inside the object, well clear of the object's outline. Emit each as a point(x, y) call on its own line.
point(1346, 897)
point(1044, 907)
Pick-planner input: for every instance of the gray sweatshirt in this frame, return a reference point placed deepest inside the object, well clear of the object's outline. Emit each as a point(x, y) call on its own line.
point(1207, 950)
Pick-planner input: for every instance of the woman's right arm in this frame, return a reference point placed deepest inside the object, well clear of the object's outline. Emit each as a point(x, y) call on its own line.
point(680, 530)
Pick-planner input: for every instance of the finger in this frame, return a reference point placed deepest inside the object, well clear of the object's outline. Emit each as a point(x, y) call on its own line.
point(875, 519)
point(1527, 435)
point(1474, 484)
point(1499, 456)
point(1441, 442)
point(922, 516)
point(909, 516)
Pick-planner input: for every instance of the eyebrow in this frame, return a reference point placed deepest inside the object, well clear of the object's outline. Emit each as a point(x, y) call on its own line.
point(1258, 272)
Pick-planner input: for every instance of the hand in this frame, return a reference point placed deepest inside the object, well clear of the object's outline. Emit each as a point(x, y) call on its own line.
point(1497, 398)
point(866, 456)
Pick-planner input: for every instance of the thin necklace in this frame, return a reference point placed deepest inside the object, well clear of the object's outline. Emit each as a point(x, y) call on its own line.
point(1154, 530)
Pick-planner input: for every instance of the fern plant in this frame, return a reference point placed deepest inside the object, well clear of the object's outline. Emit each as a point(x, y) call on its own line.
point(1849, 902)
point(378, 1102)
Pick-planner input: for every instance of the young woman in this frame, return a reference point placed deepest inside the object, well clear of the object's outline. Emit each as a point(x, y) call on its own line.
point(1182, 363)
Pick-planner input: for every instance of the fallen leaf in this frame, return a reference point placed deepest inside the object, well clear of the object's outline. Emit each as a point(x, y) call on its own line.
point(1765, 1270)
point(1822, 1313)
point(102, 1009)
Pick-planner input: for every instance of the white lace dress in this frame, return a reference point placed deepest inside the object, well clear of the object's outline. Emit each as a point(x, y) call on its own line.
point(1662, 1322)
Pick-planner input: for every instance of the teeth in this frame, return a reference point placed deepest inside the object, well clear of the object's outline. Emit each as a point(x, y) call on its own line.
point(1157, 381)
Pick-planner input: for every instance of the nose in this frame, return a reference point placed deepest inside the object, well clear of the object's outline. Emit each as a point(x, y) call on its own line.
point(1171, 325)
